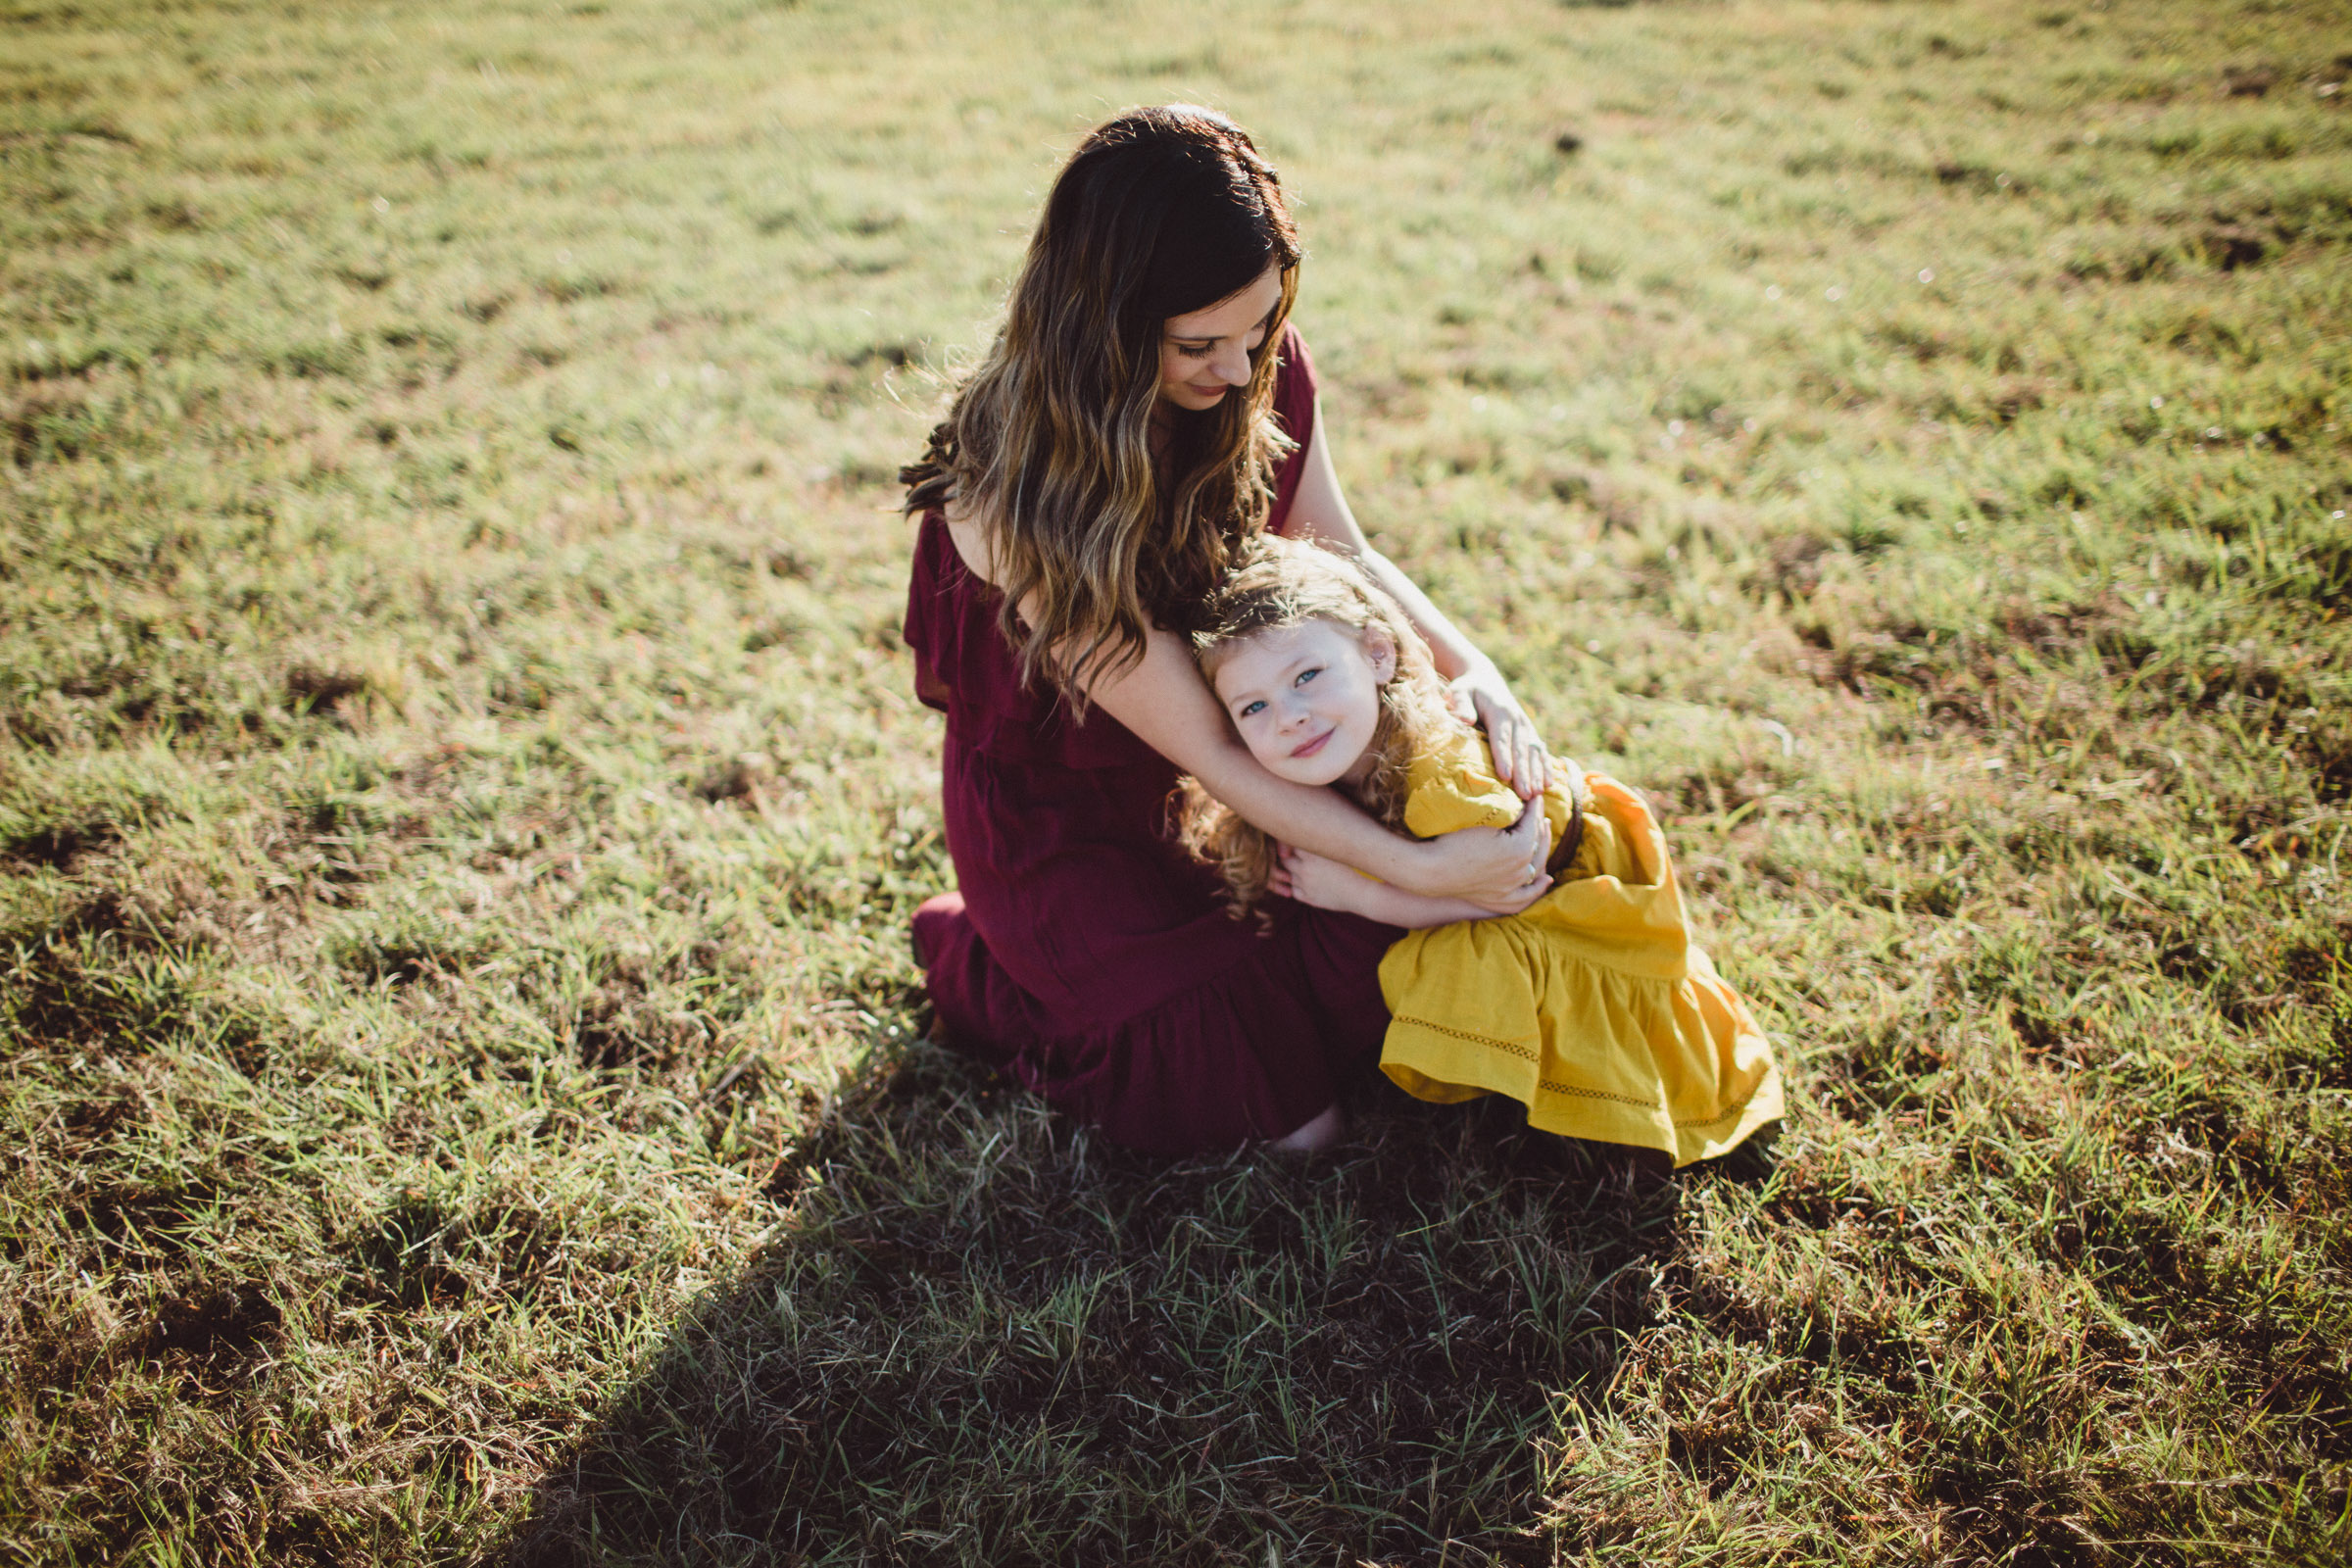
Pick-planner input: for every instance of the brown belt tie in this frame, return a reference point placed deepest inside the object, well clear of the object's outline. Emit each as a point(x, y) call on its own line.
point(1580, 800)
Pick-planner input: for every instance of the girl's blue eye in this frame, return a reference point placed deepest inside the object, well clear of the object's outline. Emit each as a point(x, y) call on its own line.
point(1247, 709)
point(1306, 675)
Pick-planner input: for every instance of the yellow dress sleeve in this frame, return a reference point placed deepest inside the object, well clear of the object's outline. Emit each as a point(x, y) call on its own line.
point(1452, 786)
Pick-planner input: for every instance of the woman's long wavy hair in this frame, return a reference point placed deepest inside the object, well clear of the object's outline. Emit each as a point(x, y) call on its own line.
point(1282, 583)
point(1159, 212)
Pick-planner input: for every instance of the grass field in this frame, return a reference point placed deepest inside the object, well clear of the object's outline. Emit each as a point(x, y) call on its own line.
point(460, 793)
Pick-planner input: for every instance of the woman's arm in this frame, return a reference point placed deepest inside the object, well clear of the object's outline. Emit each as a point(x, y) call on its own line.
point(1320, 510)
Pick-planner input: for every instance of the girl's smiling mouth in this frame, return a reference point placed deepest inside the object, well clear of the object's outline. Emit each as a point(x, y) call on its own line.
point(1315, 745)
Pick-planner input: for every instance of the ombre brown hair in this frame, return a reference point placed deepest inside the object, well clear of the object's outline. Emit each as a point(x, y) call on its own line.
point(1283, 582)
point(1159, 212)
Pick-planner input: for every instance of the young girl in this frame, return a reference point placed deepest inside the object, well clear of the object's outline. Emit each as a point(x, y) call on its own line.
point(1592, 1007)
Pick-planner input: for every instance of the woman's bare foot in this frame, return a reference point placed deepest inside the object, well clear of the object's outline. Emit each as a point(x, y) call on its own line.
point(1316, 1135)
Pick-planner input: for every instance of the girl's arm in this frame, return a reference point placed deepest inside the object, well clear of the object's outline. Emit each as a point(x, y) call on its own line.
point(1320, 510)
point(1326, 884)
point(1162, 697)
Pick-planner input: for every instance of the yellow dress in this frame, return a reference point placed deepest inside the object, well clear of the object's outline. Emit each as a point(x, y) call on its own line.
point(1592, 1007)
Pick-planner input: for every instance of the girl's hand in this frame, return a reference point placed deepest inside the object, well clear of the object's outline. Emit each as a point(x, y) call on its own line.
point(1326, 884)
point(1316, 881)
point(1520, 757)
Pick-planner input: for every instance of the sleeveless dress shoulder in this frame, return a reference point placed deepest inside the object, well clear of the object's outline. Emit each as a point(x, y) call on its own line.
point(1082, 952)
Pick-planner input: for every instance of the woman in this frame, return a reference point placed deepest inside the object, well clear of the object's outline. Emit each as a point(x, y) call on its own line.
point(1145, 408)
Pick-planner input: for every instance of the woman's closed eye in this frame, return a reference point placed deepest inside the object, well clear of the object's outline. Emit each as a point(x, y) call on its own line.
point(1201, 350)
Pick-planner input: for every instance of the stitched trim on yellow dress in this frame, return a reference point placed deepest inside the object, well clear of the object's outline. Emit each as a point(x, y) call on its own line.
point(1476, 1040)
point(1745, 1101)
point(1513, 1047)
point(1595, 1093)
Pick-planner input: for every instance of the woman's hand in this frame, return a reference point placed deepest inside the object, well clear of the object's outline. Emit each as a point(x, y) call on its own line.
point(1498, 869)
point(1521, 760)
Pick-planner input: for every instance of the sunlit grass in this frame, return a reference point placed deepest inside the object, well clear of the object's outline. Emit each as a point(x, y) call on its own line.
point(463, 795)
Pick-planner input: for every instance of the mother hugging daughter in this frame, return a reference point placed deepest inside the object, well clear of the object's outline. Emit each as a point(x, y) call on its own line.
point(1093, 509)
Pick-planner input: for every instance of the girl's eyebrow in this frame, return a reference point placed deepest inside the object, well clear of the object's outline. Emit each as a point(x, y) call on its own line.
point(1289, 672)
point(1249, 692)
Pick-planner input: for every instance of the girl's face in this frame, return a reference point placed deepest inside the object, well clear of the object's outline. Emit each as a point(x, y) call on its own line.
point(1307, 698)
point(1204, 353)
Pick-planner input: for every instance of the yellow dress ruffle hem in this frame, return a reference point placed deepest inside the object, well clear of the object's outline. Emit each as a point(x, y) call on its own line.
point(1592, 1007)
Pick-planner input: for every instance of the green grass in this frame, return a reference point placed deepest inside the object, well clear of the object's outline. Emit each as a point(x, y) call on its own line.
point(461, 794)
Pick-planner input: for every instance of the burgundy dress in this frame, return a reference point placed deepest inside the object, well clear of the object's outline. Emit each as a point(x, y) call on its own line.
point(1083, 952)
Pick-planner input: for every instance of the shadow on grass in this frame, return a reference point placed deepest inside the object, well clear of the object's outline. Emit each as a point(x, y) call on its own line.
point(986, 1337)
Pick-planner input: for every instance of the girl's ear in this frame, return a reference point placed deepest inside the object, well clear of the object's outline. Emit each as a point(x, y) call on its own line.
point(1379, 649)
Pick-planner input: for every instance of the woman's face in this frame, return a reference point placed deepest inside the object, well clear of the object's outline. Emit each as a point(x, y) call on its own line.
point(1205, 354)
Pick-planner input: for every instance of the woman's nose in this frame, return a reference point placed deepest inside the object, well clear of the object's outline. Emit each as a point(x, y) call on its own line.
point(1232, 364)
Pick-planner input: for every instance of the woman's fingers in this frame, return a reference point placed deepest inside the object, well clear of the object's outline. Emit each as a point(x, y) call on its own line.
point(1521, 759)
point(1535, 762)
point(1504, 739)
point(1533, 829)
point(1517, 899)
point(1485, 865)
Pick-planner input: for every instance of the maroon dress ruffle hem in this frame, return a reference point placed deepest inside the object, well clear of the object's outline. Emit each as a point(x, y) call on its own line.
point(1083, 952)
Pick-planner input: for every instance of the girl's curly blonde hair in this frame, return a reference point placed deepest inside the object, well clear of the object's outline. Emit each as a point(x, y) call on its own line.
point(1277, 584)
